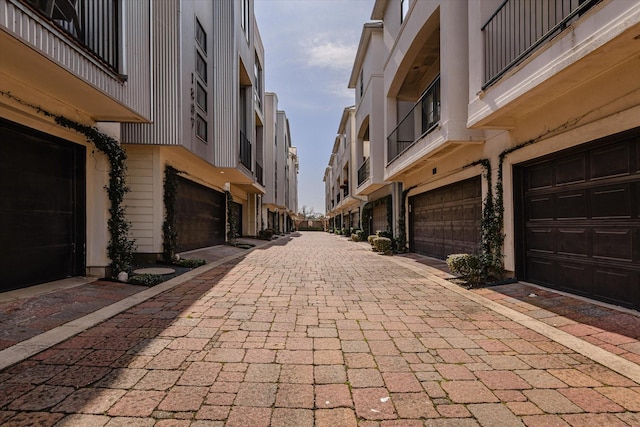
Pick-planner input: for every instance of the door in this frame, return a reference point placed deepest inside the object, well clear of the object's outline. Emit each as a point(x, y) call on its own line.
point(580, 224)
point(447, 220)
point(200, 216)
point(42, 207)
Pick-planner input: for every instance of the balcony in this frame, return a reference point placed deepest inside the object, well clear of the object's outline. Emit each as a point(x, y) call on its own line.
point(245, 150)
point(517, 28)
point(93, 23)
point(364, 171)
point(421, 119)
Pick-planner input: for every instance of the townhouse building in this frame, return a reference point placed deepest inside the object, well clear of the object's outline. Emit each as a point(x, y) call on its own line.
point(280, 202)
point(175, 87)
point(532, 106)
point(367, 80)
point(343, 205)
point(84, 62)
point(208, 127)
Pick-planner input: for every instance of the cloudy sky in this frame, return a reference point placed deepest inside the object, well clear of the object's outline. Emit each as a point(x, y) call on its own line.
point(309, 47)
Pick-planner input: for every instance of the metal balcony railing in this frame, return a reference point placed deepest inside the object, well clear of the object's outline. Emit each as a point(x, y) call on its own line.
point(363, 171)
point(517, 28)
point(94, 23)
point(426, 112)
point(245, 151)
point(259, 174)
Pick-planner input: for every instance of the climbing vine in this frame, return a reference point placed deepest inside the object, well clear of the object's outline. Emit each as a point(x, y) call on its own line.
point(169, 230)
point(120, 248)
point(231, 218)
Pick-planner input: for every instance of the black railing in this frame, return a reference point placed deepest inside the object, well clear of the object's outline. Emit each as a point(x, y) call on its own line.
point(517, 28)
point(245, 151)
point(363, 171)
point(94, 23)
point(259, 176)
point(427, 110)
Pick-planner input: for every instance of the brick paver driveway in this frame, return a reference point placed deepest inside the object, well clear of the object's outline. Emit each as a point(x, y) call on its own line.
point(315, 331)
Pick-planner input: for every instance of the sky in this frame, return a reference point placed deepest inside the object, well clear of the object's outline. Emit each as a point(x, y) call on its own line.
point(310, 46)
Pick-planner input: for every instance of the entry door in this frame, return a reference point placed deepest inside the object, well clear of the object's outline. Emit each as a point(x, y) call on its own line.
point(42, 207)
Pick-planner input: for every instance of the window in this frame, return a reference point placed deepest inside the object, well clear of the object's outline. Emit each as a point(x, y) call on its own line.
point(201, 67)
point(404, 7)
point(201, 36)
point(257, 71)
point(199, 92)
point(361, 82)
point(201, 96)
point(201, 128)
point(245, 17)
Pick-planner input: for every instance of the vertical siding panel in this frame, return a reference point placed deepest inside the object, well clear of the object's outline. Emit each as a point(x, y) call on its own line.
point(164, 82)
point(225, 86)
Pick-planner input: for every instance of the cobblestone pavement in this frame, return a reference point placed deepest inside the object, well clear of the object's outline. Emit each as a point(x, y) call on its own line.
point(321, 331)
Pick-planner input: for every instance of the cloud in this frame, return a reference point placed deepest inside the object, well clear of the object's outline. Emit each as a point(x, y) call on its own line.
point(326, 53)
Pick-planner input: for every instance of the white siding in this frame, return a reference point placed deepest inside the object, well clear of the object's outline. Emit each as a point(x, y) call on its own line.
point(139, 200)
point(51, 42)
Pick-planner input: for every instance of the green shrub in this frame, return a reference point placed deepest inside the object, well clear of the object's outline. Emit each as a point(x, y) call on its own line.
point(190, 263)
point(371, 239)
point(361, 235)
point(355, 237)
point(383, 245)
point(146, 279)
point(266, 234)
point(468, 266)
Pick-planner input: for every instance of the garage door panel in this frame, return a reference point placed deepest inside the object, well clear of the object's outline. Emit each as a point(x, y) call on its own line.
point(575, 277)
point(621, 287)
point(573, 241)
point(612, 201)
point(540, 176)
point(541, 270)
point(540, 208)
point(571, 170)
point(610, 161)
point(541, 240)
point(571, 204)
point(613, 243)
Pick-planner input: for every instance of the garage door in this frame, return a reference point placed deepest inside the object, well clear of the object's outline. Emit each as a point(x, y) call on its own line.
point(379, 218)
point(200, 216)
point(581, 223)
point(42, 207)
point(446, 220)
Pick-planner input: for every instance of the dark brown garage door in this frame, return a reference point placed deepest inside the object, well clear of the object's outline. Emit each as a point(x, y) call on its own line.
point(200, 216)
point(42, 207)
point(446, 220)
point(581, 224)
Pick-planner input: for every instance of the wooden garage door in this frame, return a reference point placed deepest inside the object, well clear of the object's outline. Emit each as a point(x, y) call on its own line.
point(446, 220)
point(42, 207)
point(581, 223)
point(379, 218)
point(200, 216)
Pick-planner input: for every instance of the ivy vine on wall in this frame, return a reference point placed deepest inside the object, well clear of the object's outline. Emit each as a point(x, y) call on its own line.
point(120, 248)
point(169, 230)
point(231, 218)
